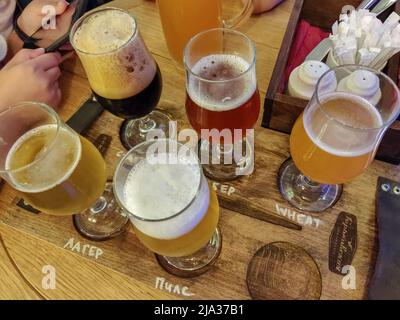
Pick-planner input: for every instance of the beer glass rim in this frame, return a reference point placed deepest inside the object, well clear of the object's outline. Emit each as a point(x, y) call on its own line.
point(149, 142)
point(91, 12)
point(376, 72)
point(49, 110)
point(224, 31)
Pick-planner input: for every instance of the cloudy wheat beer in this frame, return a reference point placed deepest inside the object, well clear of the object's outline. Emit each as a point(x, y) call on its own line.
point(172, 207)
point(336, 137)
point(122, 73)
point(56, 170)
point(222, 94)
point(328, 152)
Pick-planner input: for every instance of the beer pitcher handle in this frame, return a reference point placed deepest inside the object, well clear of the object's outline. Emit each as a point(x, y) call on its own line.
point(242, 17)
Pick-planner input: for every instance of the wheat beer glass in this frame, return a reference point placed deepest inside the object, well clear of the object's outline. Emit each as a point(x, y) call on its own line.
point(183, 19)
point(123, 74)
point(336, 137)
point(222, 100)
point(56, 171)
point(174, 211)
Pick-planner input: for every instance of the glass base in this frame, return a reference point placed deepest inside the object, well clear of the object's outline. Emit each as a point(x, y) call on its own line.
point(104, 220)
point(197, 263)
point(134, 132)
point(304, 194)
point(237, 165)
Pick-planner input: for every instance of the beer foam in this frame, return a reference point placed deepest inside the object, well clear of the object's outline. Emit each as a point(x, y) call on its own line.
point(50, 168)
point(350, 138)
point(222, 96)
point(115, 58)
point(104, 31)
point(160, 191)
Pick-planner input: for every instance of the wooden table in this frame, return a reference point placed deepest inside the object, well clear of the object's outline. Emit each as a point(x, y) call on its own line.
point(125, 269)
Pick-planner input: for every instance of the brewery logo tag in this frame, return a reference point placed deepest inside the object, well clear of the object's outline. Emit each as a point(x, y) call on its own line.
point(342, 242)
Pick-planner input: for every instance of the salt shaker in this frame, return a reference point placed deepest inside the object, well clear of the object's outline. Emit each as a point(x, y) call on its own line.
point(304, 79)
point(363, 83)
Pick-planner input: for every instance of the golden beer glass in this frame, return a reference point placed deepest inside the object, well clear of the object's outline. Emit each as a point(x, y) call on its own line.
point(56, 170)
point(336, 137)
point(161, 186)
point(183, 19)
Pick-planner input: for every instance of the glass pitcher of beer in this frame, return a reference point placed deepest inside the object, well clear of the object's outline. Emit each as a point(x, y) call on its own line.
point(182, 19)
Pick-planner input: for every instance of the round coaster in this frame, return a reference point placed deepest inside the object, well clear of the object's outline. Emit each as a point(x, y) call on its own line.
point(283, 271)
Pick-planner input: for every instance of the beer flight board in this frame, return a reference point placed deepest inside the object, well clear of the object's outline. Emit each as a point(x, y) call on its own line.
point(242, 235)
point(123, 268)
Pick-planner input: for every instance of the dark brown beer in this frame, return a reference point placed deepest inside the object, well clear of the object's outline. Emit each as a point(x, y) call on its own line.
point(138, 105)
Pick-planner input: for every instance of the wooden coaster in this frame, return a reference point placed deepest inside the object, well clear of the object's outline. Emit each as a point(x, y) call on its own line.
point(283, 271)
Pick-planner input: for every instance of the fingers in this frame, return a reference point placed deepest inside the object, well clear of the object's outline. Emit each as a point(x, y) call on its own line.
point(54, 73)
point(23, 56)
point(59, 5)
point(47, 61)
point(66, 47)
point(55, 96)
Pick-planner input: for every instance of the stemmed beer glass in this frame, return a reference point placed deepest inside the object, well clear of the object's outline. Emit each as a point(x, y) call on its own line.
point(123, 74)
point(174, 211)
point(56, 170)
point(222, 100)
point(337, 136)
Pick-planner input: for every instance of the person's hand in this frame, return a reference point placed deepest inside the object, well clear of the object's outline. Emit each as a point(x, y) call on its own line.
point(31, 75)
point(30, 22)
point(32, 17)
point(264, 5)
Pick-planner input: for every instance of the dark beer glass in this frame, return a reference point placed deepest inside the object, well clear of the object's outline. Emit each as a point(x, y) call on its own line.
point(122, 73)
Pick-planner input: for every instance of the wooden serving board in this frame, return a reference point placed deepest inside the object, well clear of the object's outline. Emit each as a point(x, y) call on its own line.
point(121, 268)
point(242, 235)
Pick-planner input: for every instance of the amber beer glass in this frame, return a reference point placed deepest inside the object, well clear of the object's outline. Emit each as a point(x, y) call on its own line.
point(336, 137)
point(56, 170)
point(122, 73)
point(182, 19)
point(222, 99)
point(161, 186)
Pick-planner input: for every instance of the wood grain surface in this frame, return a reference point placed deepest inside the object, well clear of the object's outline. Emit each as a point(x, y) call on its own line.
point(124, 269)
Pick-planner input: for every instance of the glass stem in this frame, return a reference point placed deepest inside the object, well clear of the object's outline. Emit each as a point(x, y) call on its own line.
point(99, 206)
point(146, 124)
point(308, 189)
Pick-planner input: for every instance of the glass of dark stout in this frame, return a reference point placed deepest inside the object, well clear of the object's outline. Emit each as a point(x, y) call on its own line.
point(223, 101)
point(123, 74)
